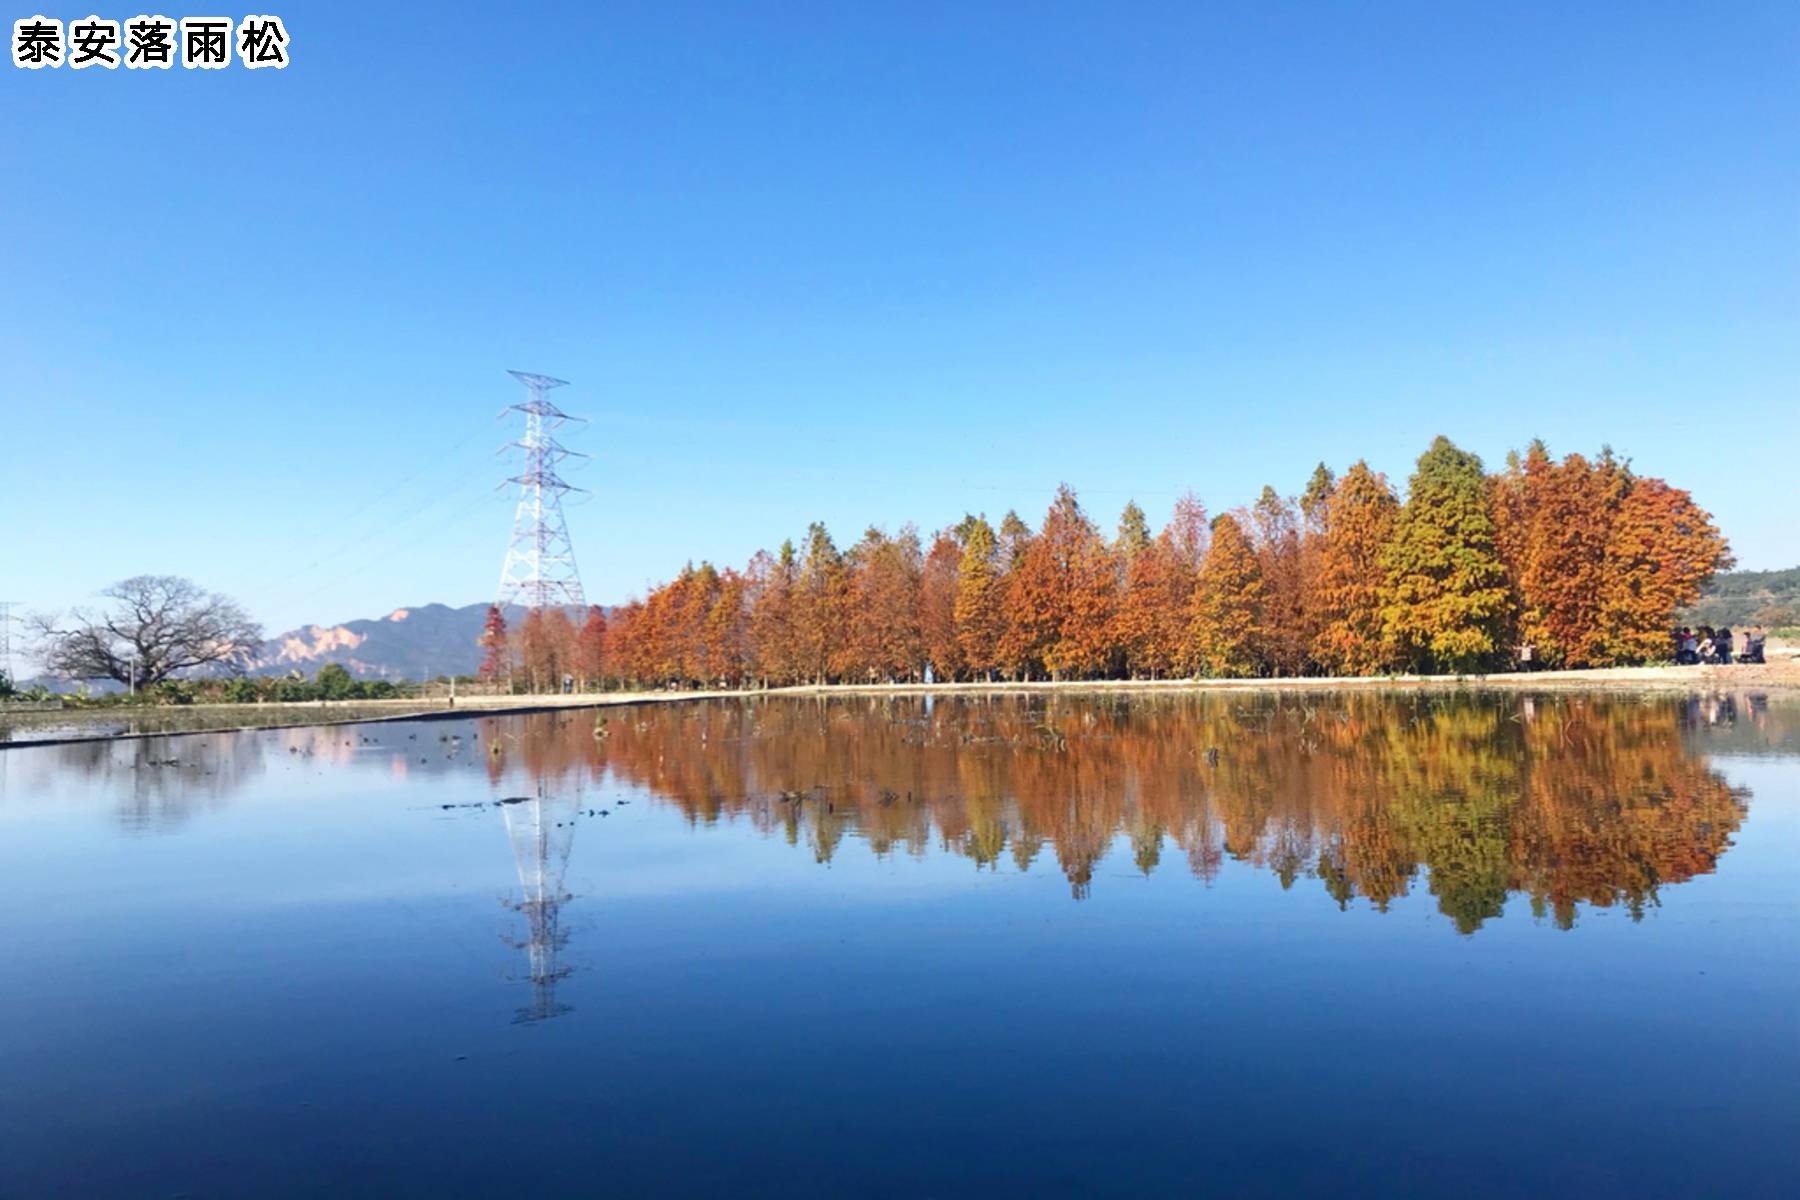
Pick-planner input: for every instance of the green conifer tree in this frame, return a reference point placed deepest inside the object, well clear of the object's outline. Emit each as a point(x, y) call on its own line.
point(1445, 599)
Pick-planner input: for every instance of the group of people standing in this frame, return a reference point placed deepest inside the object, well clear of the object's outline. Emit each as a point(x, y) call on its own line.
point(1709, 645)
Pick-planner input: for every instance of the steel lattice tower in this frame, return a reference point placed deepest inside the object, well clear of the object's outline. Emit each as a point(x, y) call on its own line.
point(540, 570)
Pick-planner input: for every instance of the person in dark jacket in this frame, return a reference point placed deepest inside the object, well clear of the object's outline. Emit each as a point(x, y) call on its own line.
point(1722, 646)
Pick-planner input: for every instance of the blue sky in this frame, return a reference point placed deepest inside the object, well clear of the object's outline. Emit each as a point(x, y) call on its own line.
point(830, 262)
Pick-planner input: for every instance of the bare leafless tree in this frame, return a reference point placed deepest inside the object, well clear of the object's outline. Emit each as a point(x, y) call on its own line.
point(157, 626)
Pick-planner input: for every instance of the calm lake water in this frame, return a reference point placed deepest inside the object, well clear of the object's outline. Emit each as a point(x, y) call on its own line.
point(1482, 944)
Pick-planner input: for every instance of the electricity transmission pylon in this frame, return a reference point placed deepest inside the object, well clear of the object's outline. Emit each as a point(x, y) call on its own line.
point(542, 831)
point(540, 571)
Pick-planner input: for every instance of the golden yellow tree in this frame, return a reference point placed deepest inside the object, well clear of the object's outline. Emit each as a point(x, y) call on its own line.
point(1225, 618)
point(1445, 599)
point(1347, 593)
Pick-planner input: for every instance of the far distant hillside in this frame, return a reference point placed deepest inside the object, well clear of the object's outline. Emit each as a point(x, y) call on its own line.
point(408, 643)
point(1749, 597)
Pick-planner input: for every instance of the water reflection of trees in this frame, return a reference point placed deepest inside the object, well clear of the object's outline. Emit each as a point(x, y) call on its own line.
point(1568, 799)
point(160, 784)
point(155, 785)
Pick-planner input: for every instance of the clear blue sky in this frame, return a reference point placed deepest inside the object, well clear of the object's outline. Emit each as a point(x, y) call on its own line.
point(821, 261)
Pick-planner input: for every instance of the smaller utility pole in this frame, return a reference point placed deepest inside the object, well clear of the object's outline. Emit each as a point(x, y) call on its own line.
point(6, 620)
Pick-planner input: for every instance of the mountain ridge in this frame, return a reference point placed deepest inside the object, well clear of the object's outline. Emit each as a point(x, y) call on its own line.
point(411, 642)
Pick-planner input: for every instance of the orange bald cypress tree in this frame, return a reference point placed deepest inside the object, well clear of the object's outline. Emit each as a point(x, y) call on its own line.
point(1060, 596)
point(724, 636)
point(937, 607)
point(1152, 623)
point(1188, 533)
point(657, 653)
point(1275, 533)
point(1014, 536)
point(547, 648)
point(1028, 610)
point(883, 625)
point(1137, 619)
point(773, 653)
point(624, 642)
point(1510, 506)
point(695, 594)
point(980, 598)
point(1181, 548)
point(1225, 617)
point(1089, 575)
point(1569, 511)
point(1315, 520)
point(820, 604)
point(1359, 522)
point(496, 659)
point(1662, 552)
point(529, 642)
point(590, 648)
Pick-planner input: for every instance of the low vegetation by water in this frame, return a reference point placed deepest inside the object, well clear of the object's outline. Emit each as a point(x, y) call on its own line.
point(118, 720)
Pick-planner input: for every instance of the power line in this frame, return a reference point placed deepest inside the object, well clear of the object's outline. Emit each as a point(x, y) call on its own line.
point(341, 546)
point(394, 553)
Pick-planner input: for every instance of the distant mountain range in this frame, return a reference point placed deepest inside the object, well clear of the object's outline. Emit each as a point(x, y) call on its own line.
point(408, 643)
point(416, 643)
point(1738, 598)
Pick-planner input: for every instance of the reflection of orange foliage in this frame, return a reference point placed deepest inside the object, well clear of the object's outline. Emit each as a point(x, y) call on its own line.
point(1570, 800)
point(1588, 831)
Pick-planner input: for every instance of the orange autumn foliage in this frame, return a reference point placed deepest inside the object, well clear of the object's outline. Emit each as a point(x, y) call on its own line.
point(937, 608)
point(979, 597)
point(1225, 629)
point(1060, 597)
point(1569, 510)
point(1663, 550)
point(1151, 622)
point(1582, 556)
point(1274, 530)
point(1348, 591)
point(590, 647)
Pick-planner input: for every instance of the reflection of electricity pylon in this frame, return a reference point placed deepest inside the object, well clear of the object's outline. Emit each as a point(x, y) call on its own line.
point(542, 832)
point(539, 570)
